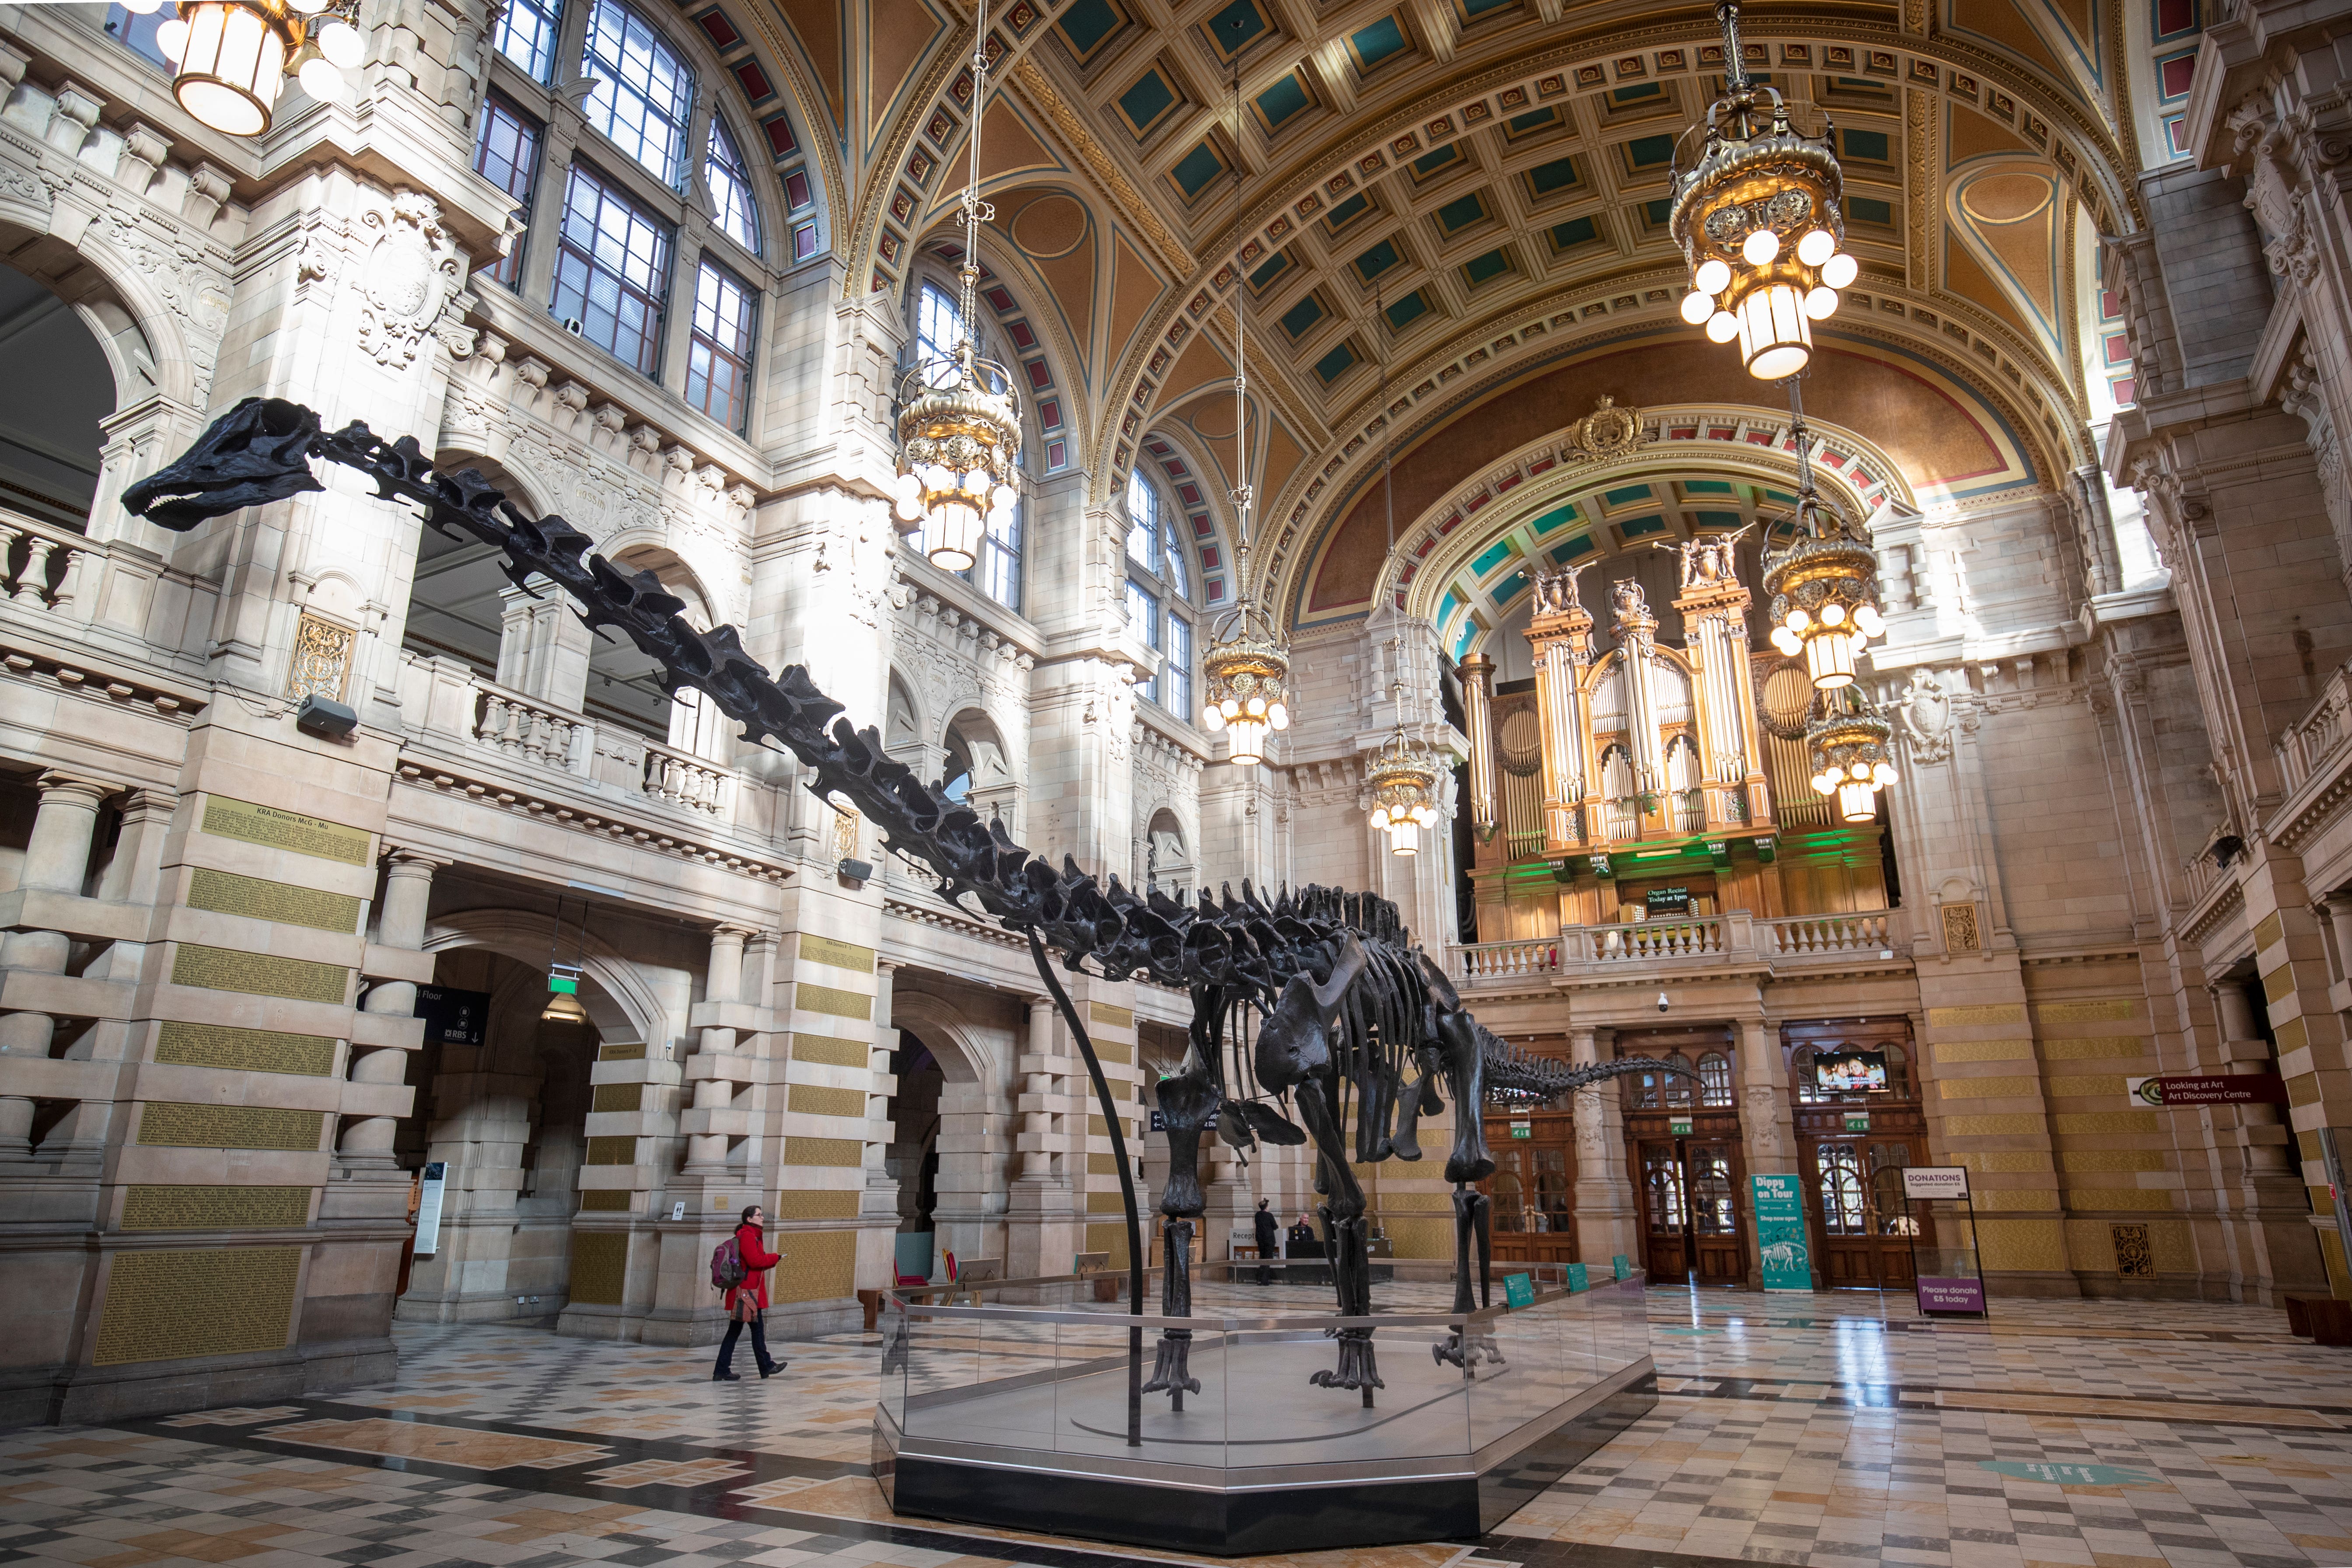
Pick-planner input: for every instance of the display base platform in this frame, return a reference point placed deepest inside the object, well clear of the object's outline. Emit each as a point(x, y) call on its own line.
point(1262, 1460)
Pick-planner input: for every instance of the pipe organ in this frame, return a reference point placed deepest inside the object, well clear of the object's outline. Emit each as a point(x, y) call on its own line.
point(1647, 742)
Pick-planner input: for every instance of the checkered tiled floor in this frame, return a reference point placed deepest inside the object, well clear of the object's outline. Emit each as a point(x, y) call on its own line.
point(1837, 1430)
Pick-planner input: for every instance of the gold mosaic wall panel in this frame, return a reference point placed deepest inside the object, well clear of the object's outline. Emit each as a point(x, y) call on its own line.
point(215, 1208)
point(1112, 1017)
point(1118, 1051)
point(1973, 1017)
point(1416, 1237)
point(624, 1051)
point(600, 1267)
point(2112, 1047)
point(1106, 1202)
point(267, 825)
point(815, 1205)
point(2124, 1200)
point(213, 1300)
point(818, 1266)
point(244, 1050)
point(1112, 1239)
point(1995, 1162)
point(2111, 1159)
point(2015, 1200)
point(605, 1202)
point(831, 1052)
point(838, 1153)
point(260, 974)
point(2083, 1123)
point(1992, 1126)
point(1985, 1088)
point(1102, 1164)
point(840, 955)
point(833, 1000)
point(2021, 1246)
point(2102, 1085)
point(618, 1097)
point(225, 894)
point(1949, 1052)
point(2270, 930)
point(815, 1099)
point(611, 1152)
point(169, 1124)
point(2095, 1010)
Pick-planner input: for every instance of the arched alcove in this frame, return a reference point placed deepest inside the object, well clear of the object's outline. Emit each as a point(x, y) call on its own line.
point(52, 433)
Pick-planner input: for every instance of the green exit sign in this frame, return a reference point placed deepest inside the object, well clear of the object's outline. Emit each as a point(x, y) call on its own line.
point(1523, 1130)
point(1679, 1127)
point(1857, 1121)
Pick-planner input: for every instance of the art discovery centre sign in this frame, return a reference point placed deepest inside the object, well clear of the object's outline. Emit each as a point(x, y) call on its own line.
point(2197, 1088)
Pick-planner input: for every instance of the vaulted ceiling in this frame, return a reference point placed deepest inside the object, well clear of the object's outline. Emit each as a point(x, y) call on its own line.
point(1467, 198)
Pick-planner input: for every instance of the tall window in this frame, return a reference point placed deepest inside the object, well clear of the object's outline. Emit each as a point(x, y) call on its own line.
point(612, 270)
point(938, 328)
point(644, 94)
point(738, 215)
point(718, 360)
point(527, 33)
point(137, 32)
point(997, 574)
point(1160, 593)
point(506, 152)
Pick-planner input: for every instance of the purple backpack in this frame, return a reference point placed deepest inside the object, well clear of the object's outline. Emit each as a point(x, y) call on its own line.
point(727, 1265)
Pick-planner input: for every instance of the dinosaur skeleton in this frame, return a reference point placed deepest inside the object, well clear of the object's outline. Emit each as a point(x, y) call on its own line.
point(1316, 997)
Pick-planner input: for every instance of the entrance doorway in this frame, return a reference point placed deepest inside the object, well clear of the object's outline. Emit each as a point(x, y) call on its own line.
point(1854, 1144)
point(1532, 1187)
point(1682, 1135)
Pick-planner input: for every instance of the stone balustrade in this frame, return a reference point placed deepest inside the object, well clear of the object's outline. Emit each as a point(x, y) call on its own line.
point(2310, 743)
point(524, 728)
point(1734, 942)
point(681, 779)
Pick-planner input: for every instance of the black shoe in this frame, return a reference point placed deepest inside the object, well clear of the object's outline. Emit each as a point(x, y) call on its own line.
point(772, 1368)
point(725, 1378)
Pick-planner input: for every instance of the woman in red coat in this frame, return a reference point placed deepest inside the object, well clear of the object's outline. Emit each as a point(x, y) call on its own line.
point(748, 1302)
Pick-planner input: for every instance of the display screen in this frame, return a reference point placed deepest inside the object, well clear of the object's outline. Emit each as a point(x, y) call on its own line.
point(1851, 1072)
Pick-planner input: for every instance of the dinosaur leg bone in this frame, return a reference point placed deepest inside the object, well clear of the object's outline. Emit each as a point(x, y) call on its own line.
point(1344, 1243)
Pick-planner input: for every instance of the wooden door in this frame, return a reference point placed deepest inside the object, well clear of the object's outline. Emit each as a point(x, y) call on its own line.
point(1665, 1210)
point(1531, 1189)
point(1866, 1232)
point(1711, 1176)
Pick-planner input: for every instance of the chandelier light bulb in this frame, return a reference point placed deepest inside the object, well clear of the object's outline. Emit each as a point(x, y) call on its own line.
point(1279, 716)
point(1883, 773)
point(1722, 327)
point(1760, 247)
point(1713, 275)
point(1697, 307)
point(1840, 270)
point(1786, 641)
point(1818, 246)
point(320, 79)
point(1832, 614)
point(1825, 785)
point(1821, 303)
point(1002, 498)
point(342, 44)
point(171, 38)
point(1255, 706)
point(1869, 621)
point(142, 7)
point(1798, 620)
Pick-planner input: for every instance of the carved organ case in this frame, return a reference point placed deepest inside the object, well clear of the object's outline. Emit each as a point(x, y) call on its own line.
point(1647, 742)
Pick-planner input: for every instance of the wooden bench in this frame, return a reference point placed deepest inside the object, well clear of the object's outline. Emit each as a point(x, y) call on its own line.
point(971, 1272)
point(2323, 1320)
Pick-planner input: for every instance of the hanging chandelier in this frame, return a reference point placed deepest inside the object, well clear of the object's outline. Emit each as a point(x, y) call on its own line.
point(1403, 779)
point(231, 58)
point(1758, 218)
point(1825, 585)
point(1246, 670)
point(1853, 755)
point(959, 420)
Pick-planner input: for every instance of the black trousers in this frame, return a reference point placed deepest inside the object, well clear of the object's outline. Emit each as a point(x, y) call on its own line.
point(759, 1344)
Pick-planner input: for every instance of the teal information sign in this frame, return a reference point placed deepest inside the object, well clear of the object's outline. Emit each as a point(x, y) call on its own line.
point(2070, 1475)
point(1622, 1264)
point(1578, 1280)
point(1519, 1289)
point(1780, 1234)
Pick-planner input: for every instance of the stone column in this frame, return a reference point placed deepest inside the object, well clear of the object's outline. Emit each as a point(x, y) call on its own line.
point(1768, 1129)
point(714, 1076)
point(1608, 1223)
point(366, 1142)
point(1041, 1202)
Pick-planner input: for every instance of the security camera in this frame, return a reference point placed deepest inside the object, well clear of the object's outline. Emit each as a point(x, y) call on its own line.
point(1663, 1003)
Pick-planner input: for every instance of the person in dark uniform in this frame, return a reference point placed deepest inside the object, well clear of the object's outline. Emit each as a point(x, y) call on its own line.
point(1269, 1238)
point(1304, 1242)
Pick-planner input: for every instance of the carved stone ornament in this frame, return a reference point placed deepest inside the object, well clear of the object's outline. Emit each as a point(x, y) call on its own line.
point(1926, 715)
point(409, 277)
point(1608, 431)
point(1961, 933)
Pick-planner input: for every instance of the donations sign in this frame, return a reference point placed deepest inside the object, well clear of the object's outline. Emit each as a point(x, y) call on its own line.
point(1934, 1180)
point(1951, 1295)
point(2197, 1088)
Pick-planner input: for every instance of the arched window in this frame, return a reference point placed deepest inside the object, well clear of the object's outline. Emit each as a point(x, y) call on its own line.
point(733, 208)
point(719, 359)
point(1898, 1072)
point(940, 330)
point(644, 94)
point(1160, 593)
point(527, 33)
point(1678, 1085)
point(1801, 1070)
point(1842, 1190)
point(1714, 1080)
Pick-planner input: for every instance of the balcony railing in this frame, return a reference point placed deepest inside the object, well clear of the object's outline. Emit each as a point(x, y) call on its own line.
point(2313, 739)
point(1731, 941)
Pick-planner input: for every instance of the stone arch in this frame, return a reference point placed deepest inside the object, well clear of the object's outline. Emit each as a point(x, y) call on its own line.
point(904, 726)
point(624, 1008)
point(975, 1102)
point(1035, 302)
